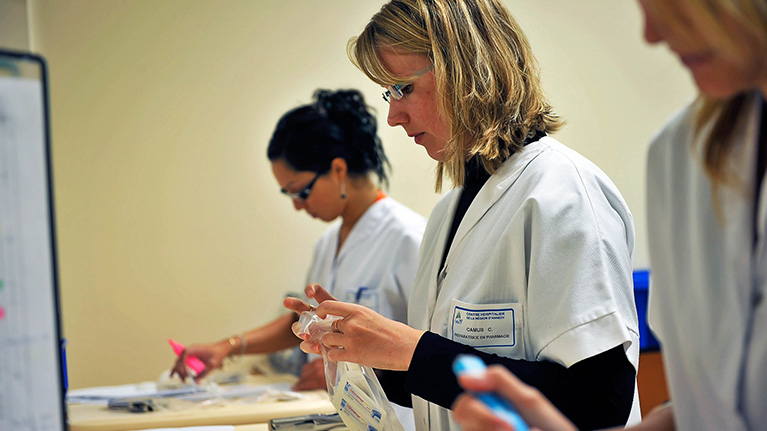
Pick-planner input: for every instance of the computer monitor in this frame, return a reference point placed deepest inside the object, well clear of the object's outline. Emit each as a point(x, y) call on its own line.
point(31, 373)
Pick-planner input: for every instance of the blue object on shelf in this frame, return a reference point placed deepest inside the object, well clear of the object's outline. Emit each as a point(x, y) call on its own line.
point(647, 341)
point(64, 364)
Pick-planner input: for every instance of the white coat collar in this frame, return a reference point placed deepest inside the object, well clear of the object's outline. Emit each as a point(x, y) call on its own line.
point(489, 194)
point(367, 224)
point(738, 218)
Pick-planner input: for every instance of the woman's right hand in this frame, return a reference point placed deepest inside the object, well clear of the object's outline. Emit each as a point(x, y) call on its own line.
point(536, 410)
point(212, 355)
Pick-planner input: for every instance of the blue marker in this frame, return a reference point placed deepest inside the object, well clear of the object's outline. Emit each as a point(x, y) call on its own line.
point(472, 365)
point(358, 296)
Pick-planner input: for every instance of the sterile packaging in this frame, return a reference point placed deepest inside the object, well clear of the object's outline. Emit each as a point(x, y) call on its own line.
point(354, 389)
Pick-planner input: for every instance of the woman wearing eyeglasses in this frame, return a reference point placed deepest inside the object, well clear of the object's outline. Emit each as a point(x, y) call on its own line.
point(326, 157)
point(527, 262)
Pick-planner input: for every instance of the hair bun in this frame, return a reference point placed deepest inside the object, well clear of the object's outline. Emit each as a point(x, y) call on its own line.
point(335, 124)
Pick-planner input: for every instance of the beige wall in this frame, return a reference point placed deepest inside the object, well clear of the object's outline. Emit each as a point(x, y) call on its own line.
point(170, 224)
point(14, 29)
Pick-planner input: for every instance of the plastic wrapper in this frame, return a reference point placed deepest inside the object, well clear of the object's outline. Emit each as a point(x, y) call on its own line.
point(354, 389)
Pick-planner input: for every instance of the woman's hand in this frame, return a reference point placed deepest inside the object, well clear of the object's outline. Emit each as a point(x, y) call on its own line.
point(365, 337)
point(312, 376)
point(312, 291)
point(536, 410)
point(212, 355)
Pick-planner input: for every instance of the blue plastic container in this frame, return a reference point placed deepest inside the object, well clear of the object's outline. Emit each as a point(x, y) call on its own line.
point(647, 341)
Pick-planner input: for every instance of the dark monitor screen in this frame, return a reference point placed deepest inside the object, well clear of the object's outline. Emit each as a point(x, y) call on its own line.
point(31, 375)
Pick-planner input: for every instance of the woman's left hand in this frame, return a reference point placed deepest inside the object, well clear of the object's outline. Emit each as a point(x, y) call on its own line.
point(312, 291)
point(365, 337)
point(537, 411)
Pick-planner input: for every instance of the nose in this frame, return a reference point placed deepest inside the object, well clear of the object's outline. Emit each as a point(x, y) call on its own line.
point(397, 115)
point(651, 33)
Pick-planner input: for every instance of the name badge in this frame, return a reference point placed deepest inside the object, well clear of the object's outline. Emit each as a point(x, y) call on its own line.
point(484, 325)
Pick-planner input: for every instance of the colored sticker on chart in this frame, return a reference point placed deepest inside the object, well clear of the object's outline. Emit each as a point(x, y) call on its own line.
point(2, 313)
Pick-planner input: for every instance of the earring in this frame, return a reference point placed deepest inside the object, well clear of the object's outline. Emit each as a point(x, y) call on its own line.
point(343, 190)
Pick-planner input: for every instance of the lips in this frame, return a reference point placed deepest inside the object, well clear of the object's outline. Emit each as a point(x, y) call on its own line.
point(695, 60)
point(418, 137)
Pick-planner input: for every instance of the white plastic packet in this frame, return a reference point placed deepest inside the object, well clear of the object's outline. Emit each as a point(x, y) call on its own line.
point(354, 389)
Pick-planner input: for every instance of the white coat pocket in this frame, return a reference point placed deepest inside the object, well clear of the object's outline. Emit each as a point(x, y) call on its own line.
point(495, 328)
point(367, 296)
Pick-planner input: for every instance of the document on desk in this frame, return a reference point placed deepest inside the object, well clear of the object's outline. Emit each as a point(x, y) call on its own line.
point(210, 428)
point(193, 393)
point(101, 395)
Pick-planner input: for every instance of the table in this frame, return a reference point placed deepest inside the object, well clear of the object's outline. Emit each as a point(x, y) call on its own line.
point(88, 417)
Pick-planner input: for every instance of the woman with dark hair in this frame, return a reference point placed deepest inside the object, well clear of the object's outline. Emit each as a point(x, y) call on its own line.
point(323, 156)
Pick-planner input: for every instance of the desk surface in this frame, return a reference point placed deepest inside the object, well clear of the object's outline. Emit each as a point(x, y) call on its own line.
point(86, 417)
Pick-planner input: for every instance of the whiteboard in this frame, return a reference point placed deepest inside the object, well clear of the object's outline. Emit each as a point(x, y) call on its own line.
point(31, 377)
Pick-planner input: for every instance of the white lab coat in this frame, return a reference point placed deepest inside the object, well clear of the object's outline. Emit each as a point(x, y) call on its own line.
point(545, 249)
point(707, 293)
point(375, 267)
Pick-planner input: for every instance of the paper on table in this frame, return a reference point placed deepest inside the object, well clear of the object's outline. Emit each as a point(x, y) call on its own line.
point(102, 394)
point(257, 393)
point(211, 428)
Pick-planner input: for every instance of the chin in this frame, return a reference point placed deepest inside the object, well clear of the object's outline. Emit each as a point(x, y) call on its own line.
point(719, 87)
point(436, 155)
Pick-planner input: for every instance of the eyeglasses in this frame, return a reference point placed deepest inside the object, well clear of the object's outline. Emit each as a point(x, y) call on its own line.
point(304, 193)
point(395, 91)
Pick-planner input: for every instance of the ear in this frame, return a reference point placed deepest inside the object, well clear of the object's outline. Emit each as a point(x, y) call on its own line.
point(338, 169)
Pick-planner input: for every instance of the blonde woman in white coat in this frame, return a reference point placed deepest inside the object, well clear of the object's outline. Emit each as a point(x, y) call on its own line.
point(707, 208)
point(527, 261)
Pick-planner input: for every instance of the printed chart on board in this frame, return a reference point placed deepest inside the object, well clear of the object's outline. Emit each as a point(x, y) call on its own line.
point(30, 385)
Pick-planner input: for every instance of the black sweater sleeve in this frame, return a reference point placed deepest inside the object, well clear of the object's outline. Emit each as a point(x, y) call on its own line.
point(596, 392)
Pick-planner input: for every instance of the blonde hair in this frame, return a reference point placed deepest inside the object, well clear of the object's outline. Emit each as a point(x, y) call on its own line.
point(487, 78)
point(724, 115)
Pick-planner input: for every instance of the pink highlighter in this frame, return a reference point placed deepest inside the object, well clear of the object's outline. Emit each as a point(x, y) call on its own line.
point(191, 361)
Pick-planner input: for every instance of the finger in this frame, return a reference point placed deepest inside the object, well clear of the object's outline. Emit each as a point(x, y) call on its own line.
point(308, 347)
point(296, 328)
point(334, 325)
point(336, 308)
point(297, 305)
point(181, 373)
point(475, 384)
point(473, 415)
point(202, 374)
point(501, 380)
point(298, 332)
point(334, 340)
point(343, 355)
point(318, 293)
point(535, 408)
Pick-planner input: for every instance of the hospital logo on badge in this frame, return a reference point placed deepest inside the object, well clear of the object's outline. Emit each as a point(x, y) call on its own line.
point(458, 319)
